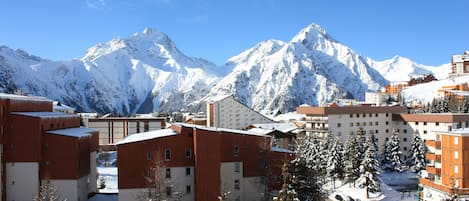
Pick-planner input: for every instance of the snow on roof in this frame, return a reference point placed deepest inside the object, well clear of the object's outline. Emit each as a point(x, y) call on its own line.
point(73, 132)
point(261, 131)
point(288, 117)
point(221, 129)
point(59, 106)
point(20, 97)
point(283, 150)
point(218, 98)
point(45, 114)
point(147, 136)
point(460, 58)
point(282, 127)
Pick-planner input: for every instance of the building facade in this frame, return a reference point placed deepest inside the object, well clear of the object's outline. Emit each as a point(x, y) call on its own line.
point(459, 65)
point(198, 163)
point(227, 112)
point(40, 146)
point(114, 129)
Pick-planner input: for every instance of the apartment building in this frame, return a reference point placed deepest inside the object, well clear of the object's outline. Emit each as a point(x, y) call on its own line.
point(114, 129)
point(227, 112)
point(39, 146)
point(199, 163)
point(341, 121)
point(459, 65)
point(447, 174)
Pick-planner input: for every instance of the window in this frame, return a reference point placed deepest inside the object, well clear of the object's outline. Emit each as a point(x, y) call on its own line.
point(188, 153)
point(387, 130)
point(236, 150)
point(437, 123)
point(149, 155)
point(351, 124)
point(425, 132)
point(376, 123)
point(404, 123)
point(351, 132)
point(358, 115)
point(405, 130)
point(364, 115)
point(167, 154)
point(364, 123)
point(424, 123)
point(416, 123)
point(236, 184)
point(456, 154)
point(376, 115)
point(405, 139)
point(338, 124)
point(455, 140)
point(188, 189)
point(168, 172)
point(236, 167)
point(370, 115)
point(351, 115)
point(376, 131)
point(405, 149)
point(358, 123)
point(387, 114)
point(456, 169)
point(188, 171)
point(387, 122)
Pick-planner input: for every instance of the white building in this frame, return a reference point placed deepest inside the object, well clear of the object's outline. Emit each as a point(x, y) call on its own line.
point(227, 112)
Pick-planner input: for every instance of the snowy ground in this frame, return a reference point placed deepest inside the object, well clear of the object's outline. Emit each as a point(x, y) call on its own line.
point(404, 182)
point(107, 171)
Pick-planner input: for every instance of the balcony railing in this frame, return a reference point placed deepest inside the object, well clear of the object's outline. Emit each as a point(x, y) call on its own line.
point(433, 170)
point(434, 157)
point(433, 143)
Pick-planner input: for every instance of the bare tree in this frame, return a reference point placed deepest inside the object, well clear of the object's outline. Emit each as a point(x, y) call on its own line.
point(48, 192)
point(161, 186)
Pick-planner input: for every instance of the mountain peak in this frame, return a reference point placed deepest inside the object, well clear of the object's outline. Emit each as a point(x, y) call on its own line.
point(312, 34)
point(148, 31)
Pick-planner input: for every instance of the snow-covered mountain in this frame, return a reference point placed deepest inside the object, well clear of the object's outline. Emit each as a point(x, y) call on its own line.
point(402, 69)
point(142, 73)
point(312, 68)
point(146, 72)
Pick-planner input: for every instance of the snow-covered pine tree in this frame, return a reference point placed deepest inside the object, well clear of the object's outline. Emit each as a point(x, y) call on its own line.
point(335, 162)
point(305, 168)
point(352, 158)
point(417, 154)
point(369, 169)
point(48, 192)
point(386, 154)
point(361, 142)
point(394, 162)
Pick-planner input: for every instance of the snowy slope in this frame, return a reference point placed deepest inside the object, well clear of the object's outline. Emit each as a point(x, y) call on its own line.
point(424, 93)
point(402, 69)
point(312, 68)
point(142, 73)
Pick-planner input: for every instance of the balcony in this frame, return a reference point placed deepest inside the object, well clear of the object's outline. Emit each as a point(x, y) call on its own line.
point(433, 157)
point(434, 170)
point(447, 189)
point(433, 143)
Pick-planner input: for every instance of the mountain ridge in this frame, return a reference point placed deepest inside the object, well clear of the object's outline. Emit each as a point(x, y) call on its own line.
point(146, 72)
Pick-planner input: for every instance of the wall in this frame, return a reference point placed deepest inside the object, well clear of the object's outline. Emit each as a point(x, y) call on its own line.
point(253, 188)
point(72, 190)
point(228, 176)
point(22, 181)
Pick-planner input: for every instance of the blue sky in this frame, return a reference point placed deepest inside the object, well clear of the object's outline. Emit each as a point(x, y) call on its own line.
point(427, 32)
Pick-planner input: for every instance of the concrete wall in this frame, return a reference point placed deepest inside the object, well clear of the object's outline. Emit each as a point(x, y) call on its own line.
point(228, 176)
point(92, 177)
point(72, 190)
point(254, 188)
point(22, 181)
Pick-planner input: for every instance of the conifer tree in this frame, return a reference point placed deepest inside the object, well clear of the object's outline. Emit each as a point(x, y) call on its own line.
point(287, 193)
point(394, 161)
point(417, 154)
point(305, 170)
point(353, 161)
point(335, 163)
point(369, 169)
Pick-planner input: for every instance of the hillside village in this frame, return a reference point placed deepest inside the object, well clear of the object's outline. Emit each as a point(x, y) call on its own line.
point(232, 152)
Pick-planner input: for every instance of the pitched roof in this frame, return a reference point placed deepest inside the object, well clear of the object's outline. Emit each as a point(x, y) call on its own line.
point(147, 136)
point(73, 132)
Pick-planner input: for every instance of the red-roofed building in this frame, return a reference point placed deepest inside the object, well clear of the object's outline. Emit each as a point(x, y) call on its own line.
point(39, 146)
point(200, 163)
